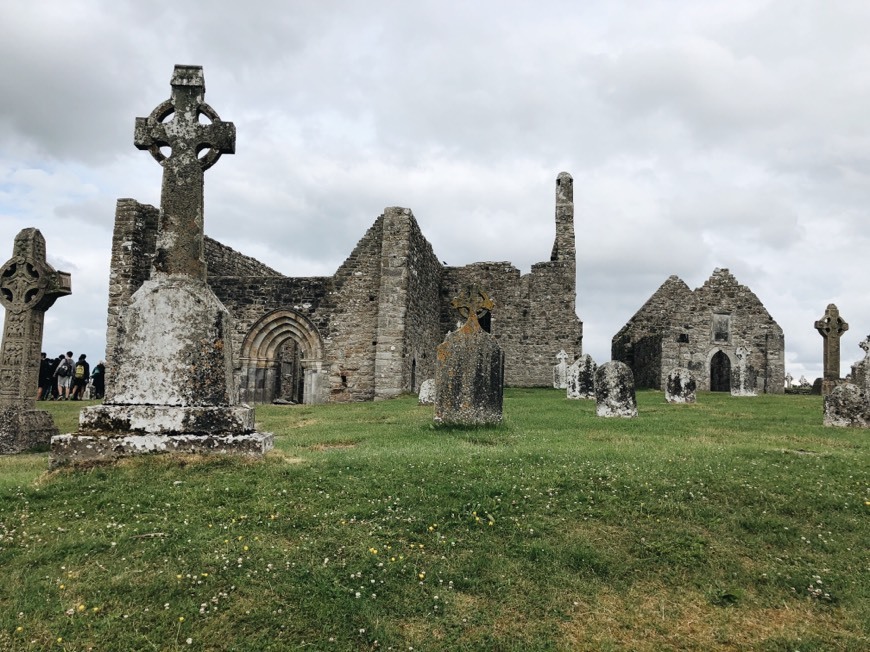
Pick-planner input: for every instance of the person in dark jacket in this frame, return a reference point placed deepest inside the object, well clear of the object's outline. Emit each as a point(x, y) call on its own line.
point(98, 376)
point(81, 376)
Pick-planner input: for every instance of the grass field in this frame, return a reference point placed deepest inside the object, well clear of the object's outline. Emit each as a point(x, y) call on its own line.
point(731, 524)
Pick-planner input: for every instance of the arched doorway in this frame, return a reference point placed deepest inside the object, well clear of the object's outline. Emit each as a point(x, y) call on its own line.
point(282, 358)
point(720, 372)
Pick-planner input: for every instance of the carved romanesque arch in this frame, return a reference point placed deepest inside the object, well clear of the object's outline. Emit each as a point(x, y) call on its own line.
point(719, 364)
point(260, 357)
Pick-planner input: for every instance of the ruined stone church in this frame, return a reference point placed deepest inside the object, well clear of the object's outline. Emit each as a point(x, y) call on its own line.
point(702, 330)
point(370, 330)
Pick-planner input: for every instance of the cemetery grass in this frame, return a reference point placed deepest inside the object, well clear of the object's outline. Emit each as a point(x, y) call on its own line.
point(730, 524)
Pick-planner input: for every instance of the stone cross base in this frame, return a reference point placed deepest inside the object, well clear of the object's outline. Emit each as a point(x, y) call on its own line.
point(166, 420)
point(24, 429)
point(80, 449)
point(469, 380)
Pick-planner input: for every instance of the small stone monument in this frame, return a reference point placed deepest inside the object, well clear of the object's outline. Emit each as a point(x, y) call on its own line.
point(427, 392)
point(789, 379)
point(847, 406)
point(172, 386)
point(614, 391)
point(831, 327)
point(581, 378)
point(28, 287)
point(560, 371)
point(469, 368)
point(803, 382)
point(680, 386)
point(743, 374)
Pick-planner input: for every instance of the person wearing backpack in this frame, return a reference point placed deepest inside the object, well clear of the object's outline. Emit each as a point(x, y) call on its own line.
point(81, 376)
point(64, 373)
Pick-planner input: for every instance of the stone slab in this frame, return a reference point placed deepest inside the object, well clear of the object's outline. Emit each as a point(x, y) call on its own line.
point(23, 429)
point(78, 449)
point(847, 406)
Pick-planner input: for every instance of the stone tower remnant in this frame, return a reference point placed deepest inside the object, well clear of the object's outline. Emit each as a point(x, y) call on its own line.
point(28, 287)
point(831, 327)
point(469, 368)
point(171, 384)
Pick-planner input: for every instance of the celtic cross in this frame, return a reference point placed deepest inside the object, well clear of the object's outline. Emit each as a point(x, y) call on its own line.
point(28, 287)
point(471, 304)
point(195, 147)
point(831, 327)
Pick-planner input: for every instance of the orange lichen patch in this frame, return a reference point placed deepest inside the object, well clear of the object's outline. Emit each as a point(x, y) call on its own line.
point(652, 617)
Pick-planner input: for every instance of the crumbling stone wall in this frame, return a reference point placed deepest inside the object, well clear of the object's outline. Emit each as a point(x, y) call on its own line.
point(680, 328)
point(378, 320)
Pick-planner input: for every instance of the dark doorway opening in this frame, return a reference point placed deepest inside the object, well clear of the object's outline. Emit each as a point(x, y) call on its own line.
point(720, 373)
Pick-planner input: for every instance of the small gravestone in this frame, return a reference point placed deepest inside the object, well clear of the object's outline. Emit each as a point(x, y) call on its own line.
point(789, 379)
point(818, 387)
point(560, 371)
point(847, 406)
point(469, 369)
point(831, 327)
point(28, 287)
point(427, 392)
point(614, 391)
point(680, 386)
point(743, 374)
point(172, 386)
point(581, 378)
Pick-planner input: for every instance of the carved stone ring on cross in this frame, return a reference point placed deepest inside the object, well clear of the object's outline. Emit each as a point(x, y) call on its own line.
point(159, 116)
point(22, 285)
point(473, 299)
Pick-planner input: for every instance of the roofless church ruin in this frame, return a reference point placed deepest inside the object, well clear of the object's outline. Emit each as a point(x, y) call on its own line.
point(370, 330)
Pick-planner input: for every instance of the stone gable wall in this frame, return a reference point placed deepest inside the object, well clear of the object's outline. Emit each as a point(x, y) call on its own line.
point(674, 328)
point(222, 260)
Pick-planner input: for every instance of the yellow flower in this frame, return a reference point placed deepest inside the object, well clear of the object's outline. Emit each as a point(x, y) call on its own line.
point(81, 607)
point(181, 619)
point(19, 629)
point(244, 547)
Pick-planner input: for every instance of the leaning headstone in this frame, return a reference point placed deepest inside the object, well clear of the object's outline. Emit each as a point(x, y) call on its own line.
point(581, 378)
point(28, 287)
point(427, 392)
point(743, 374)
point(680, 386)
point(172, 385)
point(847, 406)
point(614, 391)
point(560, 371)
point(831, 327)
point(469, 369)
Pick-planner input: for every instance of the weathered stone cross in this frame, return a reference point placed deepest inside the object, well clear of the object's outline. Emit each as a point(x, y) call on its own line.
point(469, 304)
point(180, 234)
point(28, 287)
point(831, 327)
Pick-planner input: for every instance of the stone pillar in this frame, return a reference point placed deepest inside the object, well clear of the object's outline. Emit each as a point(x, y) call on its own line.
point(831, 327)
point(744, 377)
point(560, 371)
point(28, 287)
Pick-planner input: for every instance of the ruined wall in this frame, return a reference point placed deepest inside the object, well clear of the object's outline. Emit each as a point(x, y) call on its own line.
point(351, 337)
point(222, 260)
point(421, 330)
point(134, 240)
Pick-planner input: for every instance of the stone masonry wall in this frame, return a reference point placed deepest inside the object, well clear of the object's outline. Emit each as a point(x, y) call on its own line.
point(225, 261)
point(134, 240)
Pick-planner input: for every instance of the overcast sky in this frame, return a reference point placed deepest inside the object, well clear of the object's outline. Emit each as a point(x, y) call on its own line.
point(699, 134)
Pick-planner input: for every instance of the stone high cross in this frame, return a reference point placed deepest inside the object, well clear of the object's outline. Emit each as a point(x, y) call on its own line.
point(181, 230)
point(28, 287)
point(470, 304)
point(831, 327)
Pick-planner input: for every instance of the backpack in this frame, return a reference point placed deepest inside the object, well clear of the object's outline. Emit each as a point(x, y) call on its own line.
point(63, 370)
point(80, 371)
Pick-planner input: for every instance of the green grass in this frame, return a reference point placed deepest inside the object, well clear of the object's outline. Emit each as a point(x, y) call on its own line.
point(730, 524)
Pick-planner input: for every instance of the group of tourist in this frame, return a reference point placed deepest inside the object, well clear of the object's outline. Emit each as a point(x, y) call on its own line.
point(62, 379)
